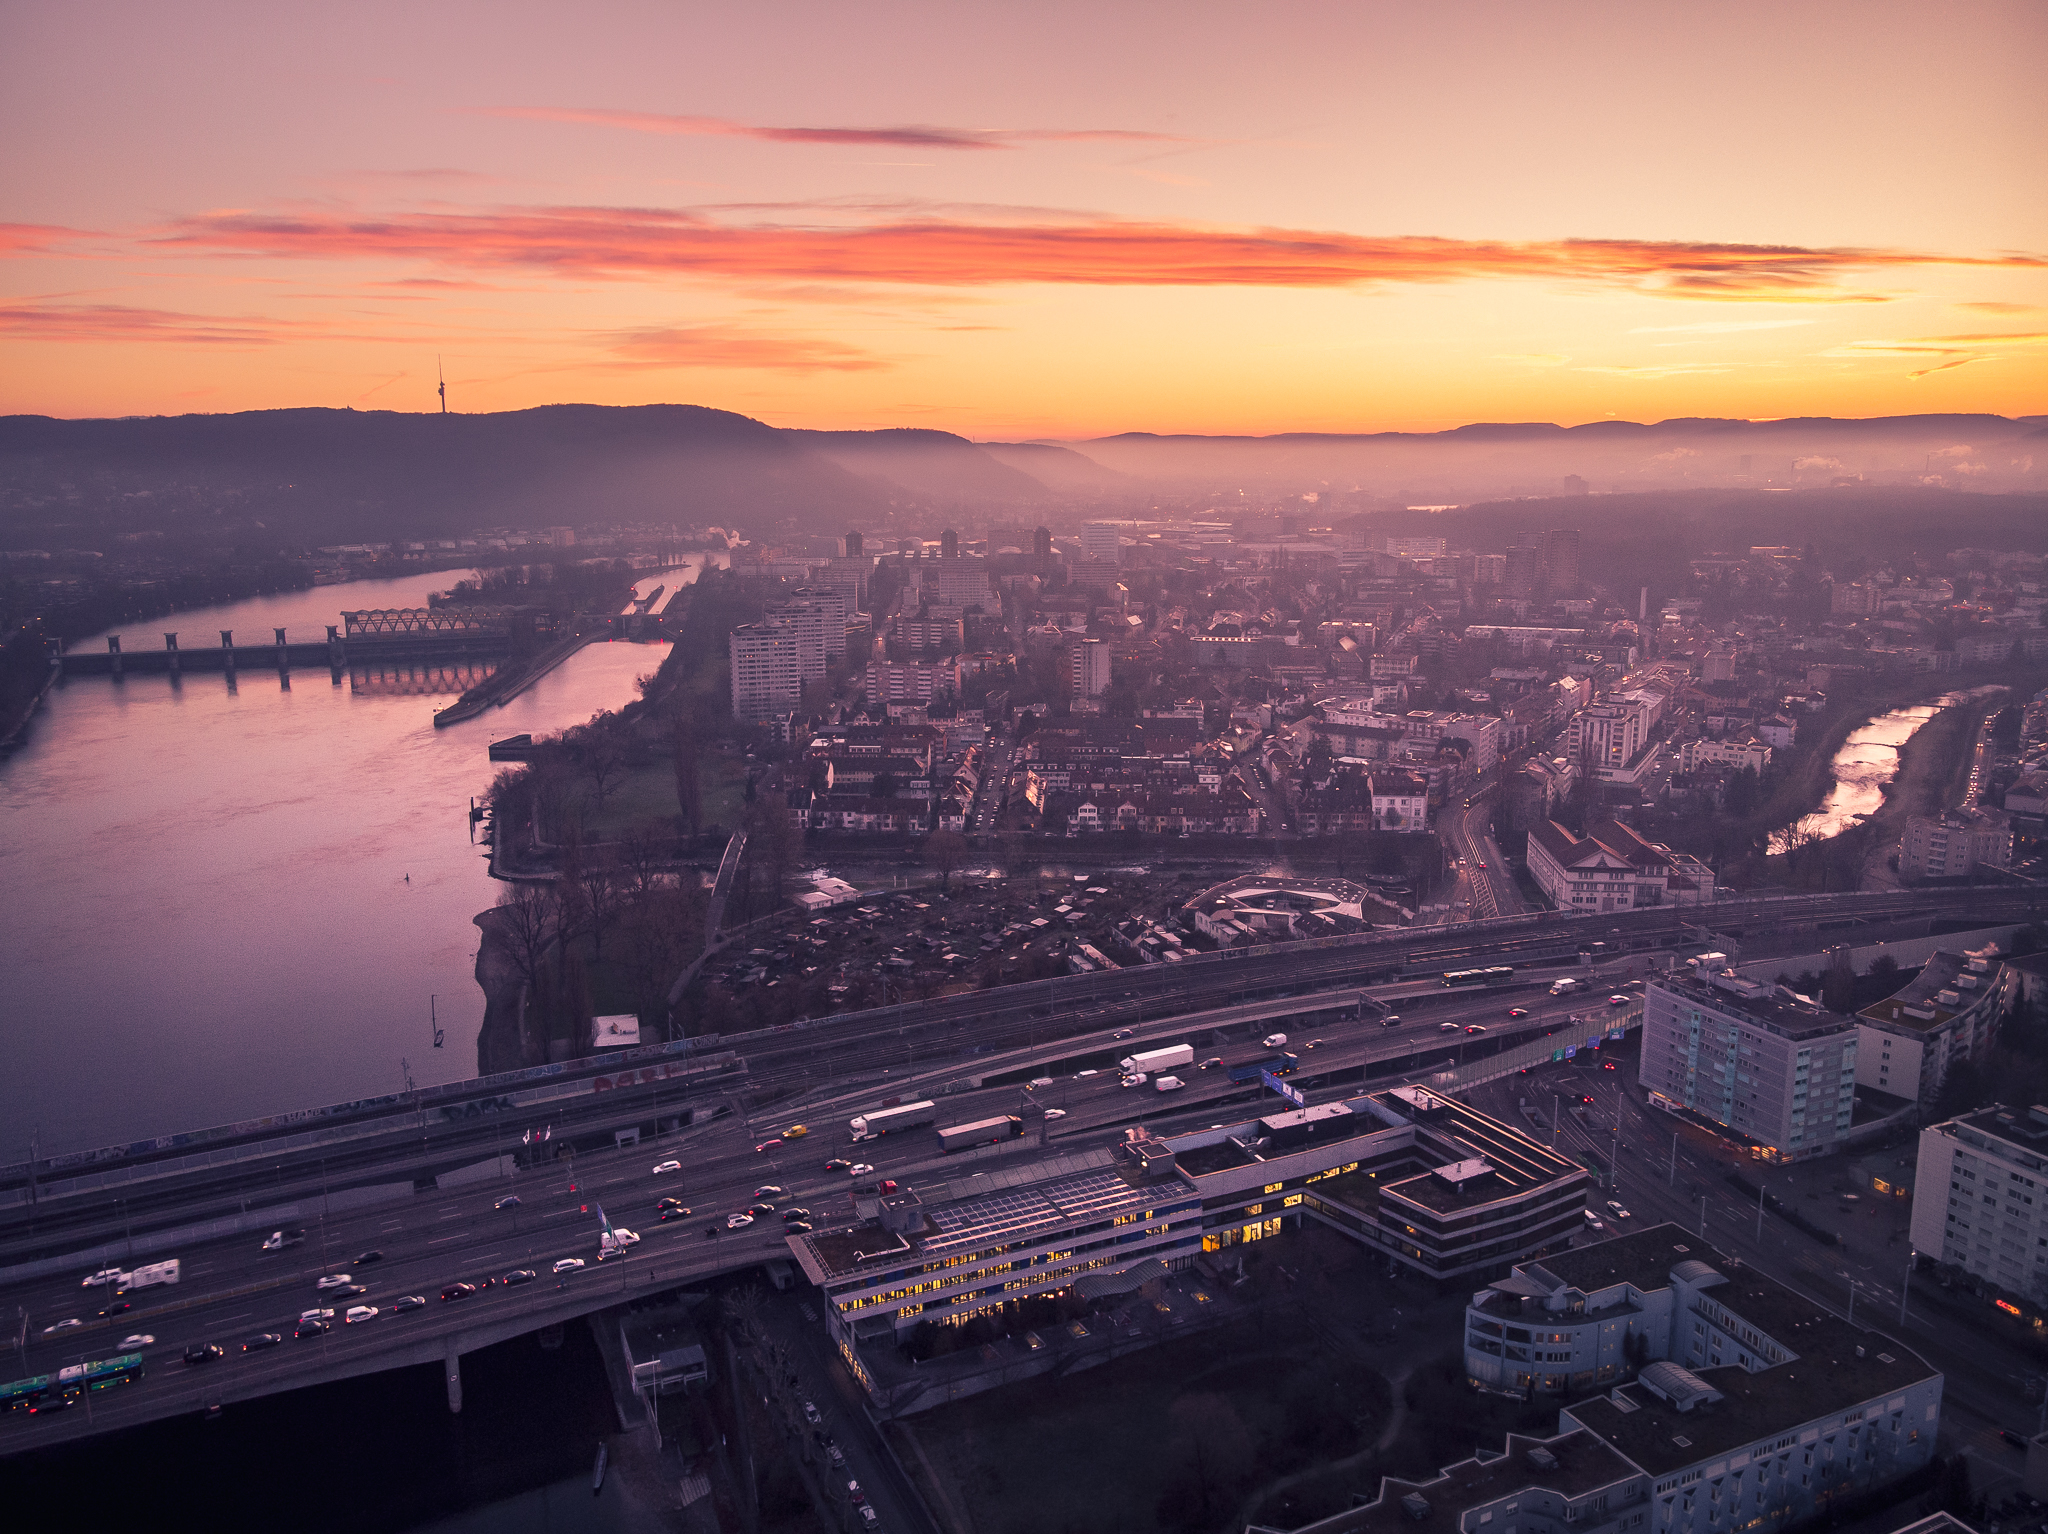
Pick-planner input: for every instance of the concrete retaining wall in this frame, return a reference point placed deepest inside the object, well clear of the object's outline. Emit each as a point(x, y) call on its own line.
point(482, 1171)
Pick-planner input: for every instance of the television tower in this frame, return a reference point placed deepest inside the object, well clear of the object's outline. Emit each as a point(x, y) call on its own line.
point(438, 374)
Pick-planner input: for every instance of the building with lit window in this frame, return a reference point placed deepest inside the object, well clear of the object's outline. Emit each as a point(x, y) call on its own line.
point(1981, 1197)
point(1763, 1061)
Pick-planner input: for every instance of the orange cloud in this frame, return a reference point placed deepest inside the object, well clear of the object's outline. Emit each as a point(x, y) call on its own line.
point(908, 137)
point(1102, 252)
point(115, 322)
point(724, 346)
point(35, 239)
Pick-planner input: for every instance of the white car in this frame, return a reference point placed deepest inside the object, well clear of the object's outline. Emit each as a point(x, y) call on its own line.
point(317, 1315)
point(62, 1326)
point(1619, 1212)
point(136, 1340)
point(357, 1313)
point(1447, 1027)
point(1083, 1075)
point(1273, 1041)
point(738, 1221)
point(569, 1265)
point(334, 1281)
point(104, 1276)
point(667, 1166)
point(1592, 1219)
point(859, 1169)
point(1055, 1113)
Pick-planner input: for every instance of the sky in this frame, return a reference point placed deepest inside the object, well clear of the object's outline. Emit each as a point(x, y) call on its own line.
point(1014, 222)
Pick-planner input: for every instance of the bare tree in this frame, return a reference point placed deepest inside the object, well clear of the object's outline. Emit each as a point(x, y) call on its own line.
point(946, 851)
point(743, 1309)
point(604, 757)
point(601, 895)
point(530, 922)
point(689, 792)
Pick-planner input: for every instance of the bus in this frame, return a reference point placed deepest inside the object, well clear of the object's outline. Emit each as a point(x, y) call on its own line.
point(982, 1132)
point(1493, 976)
point(101, 1374)
point(28, 1394)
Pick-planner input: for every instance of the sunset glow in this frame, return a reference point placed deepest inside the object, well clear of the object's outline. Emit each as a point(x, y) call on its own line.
point(1189, 220)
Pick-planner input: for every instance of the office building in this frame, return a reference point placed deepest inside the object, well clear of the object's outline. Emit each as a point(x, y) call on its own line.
point(1946, 1014)
point(1560, 548)
point(949, 544)
point(1762, 1061)
point(1980, 1200)
point(766, 671)
point(960, 582)
point(1101, 543)
point(1088, 668)
point(1404, 546)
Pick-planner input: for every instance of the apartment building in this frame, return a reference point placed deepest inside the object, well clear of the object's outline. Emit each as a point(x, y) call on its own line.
point(1746, 752)
point(1980, 1198)
point(950, 583)
point(1611, 737)
point(1762, 1061)
point(1948, 1013)
point(1088, 668)
point(817, 615)
point(889, 681)
point(767, 674)
point(1955, 845)
point(1101, 543)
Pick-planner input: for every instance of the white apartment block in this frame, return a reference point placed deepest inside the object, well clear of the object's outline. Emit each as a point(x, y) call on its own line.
point(1088, 668)
point(1748, 752)
point(1609, 736)
point(960, 583)
point(1954, 846)
point(1101, 543)
point(1757, 1059)
point(767, 676)
point(817, 615)
point(1949, 1013)
point(1980, 1197)
point(890, 681)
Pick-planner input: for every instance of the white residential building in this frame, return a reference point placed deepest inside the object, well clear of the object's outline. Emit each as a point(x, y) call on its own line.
point(1980, 1197)
point(1948, 1013)
point(767, 677)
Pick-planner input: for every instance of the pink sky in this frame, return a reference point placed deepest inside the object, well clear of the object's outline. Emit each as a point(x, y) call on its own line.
point(1053, 221)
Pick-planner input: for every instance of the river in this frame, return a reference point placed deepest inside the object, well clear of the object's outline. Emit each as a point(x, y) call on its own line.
point(1867, 761)
point(225, 901)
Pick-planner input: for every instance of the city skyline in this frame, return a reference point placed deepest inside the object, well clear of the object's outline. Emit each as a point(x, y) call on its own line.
point(1335, 221)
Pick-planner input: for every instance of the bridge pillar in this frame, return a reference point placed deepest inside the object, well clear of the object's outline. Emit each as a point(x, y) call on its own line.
point(114, 649)
point(171, 649)
point(227, 643)
point(454, 1367)
point(284, 655)
point(337, 652)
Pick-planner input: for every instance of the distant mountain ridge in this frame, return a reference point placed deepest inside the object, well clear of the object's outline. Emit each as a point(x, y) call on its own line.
point(327, 476)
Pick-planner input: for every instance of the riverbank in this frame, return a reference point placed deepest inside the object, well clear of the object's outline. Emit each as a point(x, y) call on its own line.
point(509, 681)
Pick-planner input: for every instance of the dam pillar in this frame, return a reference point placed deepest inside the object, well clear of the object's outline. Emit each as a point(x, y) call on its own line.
point(454, 1372)
point(337, 652)
point(114, 649)
point(227, 643)
point(171, 649)
point(284, 654)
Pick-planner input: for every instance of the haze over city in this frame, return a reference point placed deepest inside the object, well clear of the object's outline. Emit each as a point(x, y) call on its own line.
point(1024, 770)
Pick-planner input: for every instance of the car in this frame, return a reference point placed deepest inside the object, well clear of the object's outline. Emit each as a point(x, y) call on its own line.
point(260, 1341)
point(1084, 1075)
point(118, 1308)
point(323, 1314)
point(837, 1164)
point(677, 1213)
point(1123, 1033)
point(799, 1227)
point(886, 1185)
point(859, 1169)
point(312, 1327)
point(1475, 1028)
point(458, 1291)
point(373, 1255)
point(1593, 1221)
point(796, 1212)
point(769, 1190)
point(204, 1353)
point(738, 1221)
point(796, 1131)
point(867, 1514)
point(855, 1495)
point(667, 1166)
point(1617, 1000)
point(136, 1340)
point(1210, 1064)
point(713, 1230)
point(1518, 1011)
point(1609, 1065)
point(104, 1276)
point(1482, 868)
point(575, 1264)
point(334, 1281)
point(757, 1209)
point(519, 1276)
point(278, 1240)
point(1055, 1113)
point(835, 1454)
point(1446, 1027)
point(408, 1302)
point(1135, 1079)
point(812, 1415)
point(669, 1203)
point(1619, 1212)
point(1273, 1041)
point(1036, 1082)
point(1312, 1043)
point(769, 1145)
point(1392, 1020)
point(357, 1314)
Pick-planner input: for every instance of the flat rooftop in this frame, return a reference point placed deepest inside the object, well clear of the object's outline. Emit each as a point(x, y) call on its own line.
point(1776, 1008)
point(1915, 1007)
point(1577, 1463)
point(1643, 1258)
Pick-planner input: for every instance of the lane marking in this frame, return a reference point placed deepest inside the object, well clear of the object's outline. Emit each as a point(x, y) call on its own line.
point(436, 1241)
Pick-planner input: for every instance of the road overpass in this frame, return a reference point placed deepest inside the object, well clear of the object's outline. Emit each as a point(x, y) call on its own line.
point(712, 1106)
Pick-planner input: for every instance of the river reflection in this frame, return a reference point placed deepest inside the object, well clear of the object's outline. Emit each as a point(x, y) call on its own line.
point(223, 901)
point(1866, 762)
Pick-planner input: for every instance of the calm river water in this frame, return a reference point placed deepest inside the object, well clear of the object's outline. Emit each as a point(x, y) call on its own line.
point(220, 903)
point(1866, 762)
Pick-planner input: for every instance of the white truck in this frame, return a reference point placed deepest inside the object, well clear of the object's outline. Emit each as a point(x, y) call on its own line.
point(1150, 1061)
point(610, 1243)
point(884, 1121)
point(1566, 986)
point(148, 1277)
